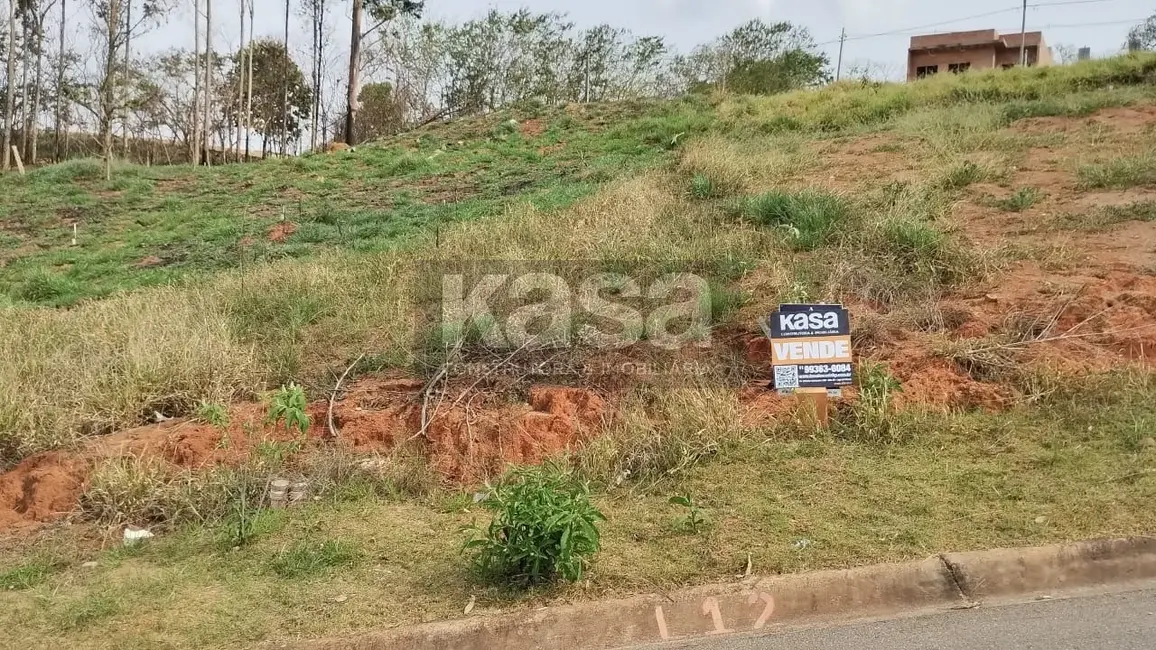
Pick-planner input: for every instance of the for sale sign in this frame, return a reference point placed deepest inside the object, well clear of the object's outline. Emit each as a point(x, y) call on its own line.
point(810, 346)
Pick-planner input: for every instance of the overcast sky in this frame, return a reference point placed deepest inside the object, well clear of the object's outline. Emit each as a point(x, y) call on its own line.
point(1099, 24)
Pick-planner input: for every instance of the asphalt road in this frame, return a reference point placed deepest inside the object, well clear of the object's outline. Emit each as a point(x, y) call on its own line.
point(1122, 621)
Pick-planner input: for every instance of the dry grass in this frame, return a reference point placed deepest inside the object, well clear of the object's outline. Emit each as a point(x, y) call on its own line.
point(660, 435)
point(110, 364)
point(943, 482)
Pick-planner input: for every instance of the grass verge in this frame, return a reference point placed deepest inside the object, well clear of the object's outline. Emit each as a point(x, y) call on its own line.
point(1079, 464)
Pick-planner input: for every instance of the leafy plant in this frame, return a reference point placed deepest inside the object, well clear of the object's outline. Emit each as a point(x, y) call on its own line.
point(213, 413)
point(544, 527)
point(694, 519)
point(288, 406)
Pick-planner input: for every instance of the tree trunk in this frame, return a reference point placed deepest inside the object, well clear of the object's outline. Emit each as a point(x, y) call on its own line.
point(58, 146)
point(285, 88)
point(195, 140)
point(10, 102)
point(127, 51)
point(25, 107)
point(208, 79)
point(249, 83)
point(354, 65)
point(37, 87)
point(240, 88)
point(108, 87)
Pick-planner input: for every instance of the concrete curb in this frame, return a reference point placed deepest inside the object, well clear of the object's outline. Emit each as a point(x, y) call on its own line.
point(950, 580)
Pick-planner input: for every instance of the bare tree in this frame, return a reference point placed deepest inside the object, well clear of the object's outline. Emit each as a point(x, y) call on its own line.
point(105, 99)
point(38, 83)
point(10, 101)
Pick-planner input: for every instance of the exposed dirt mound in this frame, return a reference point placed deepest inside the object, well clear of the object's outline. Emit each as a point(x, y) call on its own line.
point(532, 128)
point(281, 232)
point(41, 488)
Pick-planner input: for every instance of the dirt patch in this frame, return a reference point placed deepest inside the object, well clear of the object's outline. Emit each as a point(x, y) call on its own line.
point(149, 262)
point(280, 232)
point(532, 128)
point(41, 488)
point(1127, 119)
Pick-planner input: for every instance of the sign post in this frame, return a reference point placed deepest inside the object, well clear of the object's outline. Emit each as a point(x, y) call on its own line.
point(811, 352)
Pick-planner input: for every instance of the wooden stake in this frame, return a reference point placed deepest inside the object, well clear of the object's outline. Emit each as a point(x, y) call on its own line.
point(19, 165)
point(818, 398)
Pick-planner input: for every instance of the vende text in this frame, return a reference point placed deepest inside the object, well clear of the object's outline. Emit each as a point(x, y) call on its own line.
point(813, 350)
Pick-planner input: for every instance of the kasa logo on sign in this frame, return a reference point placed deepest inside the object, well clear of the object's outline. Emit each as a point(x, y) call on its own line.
point(801, 322)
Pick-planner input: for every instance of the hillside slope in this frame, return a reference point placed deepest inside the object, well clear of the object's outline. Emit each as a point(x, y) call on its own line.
point(993, 234)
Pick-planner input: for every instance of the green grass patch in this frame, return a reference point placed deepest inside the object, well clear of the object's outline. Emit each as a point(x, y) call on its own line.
point(810, 218)
point(1119, 173)
point(1018, 201)
point(312, 559)
point(1106, 217)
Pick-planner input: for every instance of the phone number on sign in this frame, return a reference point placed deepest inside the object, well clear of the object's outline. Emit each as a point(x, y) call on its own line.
point(825, 370)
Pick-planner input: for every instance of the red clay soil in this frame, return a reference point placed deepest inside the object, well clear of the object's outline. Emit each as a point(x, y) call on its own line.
point(466, 439)
point(41, 488)
point(532, 128)
point(281, 231)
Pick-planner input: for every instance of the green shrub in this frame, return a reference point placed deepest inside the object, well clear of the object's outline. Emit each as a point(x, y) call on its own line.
point(213, 413)
point(544, 527)
point(811, 216)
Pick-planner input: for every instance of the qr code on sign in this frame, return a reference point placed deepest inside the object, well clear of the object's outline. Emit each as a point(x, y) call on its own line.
point(786, 377)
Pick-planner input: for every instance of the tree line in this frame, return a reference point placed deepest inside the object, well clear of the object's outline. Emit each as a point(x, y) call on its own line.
point(204, 105)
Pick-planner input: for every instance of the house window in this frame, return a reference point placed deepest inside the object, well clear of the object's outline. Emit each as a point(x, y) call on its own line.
point(957, 68)
point(926, 70)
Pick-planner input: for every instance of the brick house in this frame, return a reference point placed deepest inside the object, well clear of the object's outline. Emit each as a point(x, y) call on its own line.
point(978, 50)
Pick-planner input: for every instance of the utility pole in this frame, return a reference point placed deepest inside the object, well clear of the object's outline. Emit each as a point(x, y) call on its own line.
point(839, 65)
point(1023, 33)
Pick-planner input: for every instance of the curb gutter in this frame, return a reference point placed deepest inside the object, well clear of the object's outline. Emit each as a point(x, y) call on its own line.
point(944, 581)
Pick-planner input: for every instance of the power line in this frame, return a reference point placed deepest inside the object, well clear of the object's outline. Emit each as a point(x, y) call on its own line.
point(1056, 3)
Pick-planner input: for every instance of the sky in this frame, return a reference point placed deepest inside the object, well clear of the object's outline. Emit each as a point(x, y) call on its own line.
point(1099, 24)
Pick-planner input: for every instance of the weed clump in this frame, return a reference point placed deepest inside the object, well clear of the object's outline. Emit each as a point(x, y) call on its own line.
point(544, 527)
point(811, 218)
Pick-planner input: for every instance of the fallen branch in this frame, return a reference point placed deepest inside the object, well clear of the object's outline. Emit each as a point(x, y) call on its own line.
point(336, 389)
